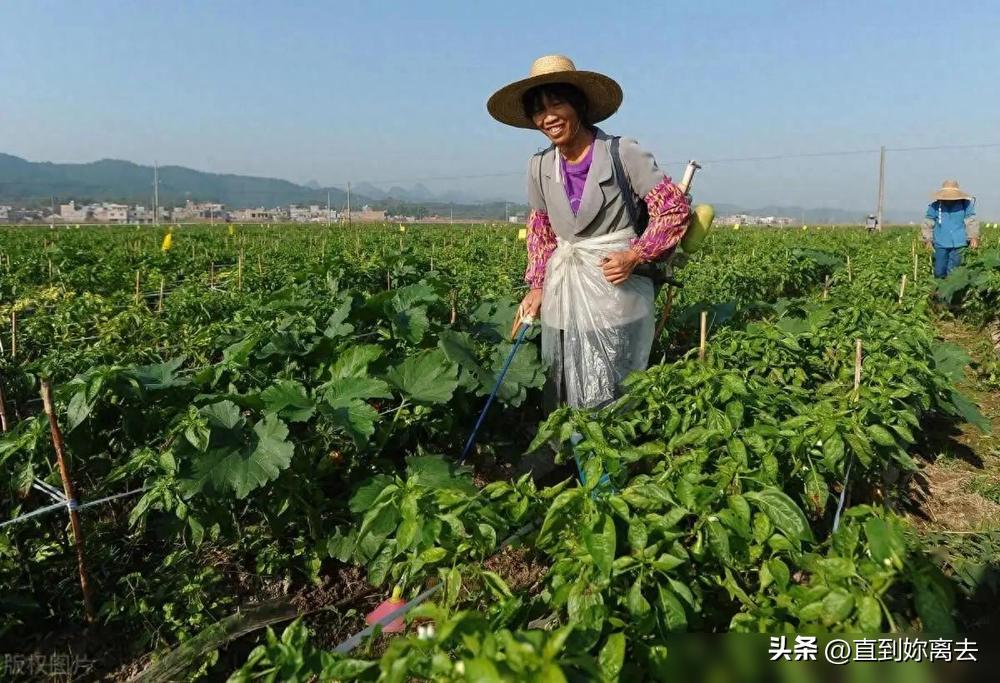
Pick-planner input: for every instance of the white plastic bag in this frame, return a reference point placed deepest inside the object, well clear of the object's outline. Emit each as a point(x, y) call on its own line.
point(594, 333)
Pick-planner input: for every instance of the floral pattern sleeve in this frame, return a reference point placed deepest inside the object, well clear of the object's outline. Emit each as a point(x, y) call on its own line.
point(541, 242)
point(669, 213)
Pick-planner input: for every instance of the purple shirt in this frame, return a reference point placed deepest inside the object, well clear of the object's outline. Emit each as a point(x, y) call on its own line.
point(575, 177)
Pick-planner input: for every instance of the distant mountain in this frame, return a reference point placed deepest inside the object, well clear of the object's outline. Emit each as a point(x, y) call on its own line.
point(26, 182)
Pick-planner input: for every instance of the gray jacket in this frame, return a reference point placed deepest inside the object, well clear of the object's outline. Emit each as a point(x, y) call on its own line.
point(602, 208)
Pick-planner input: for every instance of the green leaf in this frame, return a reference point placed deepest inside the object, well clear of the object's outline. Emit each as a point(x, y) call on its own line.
point(612, 656)
point(244, 470)
point(335, 325)
point(881, 435)
point(161, 375)
point(428, 377)
point(783, 512)
point(357, 418)
point(718, 541)
point(78, 410)
point(409, 527)
point(636, 603)
point(600, 542)
point(671, 610)
point(869, 615)
point(354, 361)
point(224, 414)
point(343, 390)
point(437, 472)
point(288, 399)
point(837, 606)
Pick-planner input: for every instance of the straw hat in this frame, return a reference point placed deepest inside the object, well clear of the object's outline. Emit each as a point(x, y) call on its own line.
point(949, 190)
point(603, 94)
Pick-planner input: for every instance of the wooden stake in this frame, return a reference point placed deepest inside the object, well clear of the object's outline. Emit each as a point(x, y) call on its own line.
point(914, 266)
point(74, 517)
point(388, 280)
point(239, 271)
point(454, 313)
point(665, 316)
point(704, 335)
point(826, 288)
point(137, 287)
point(902, 288)
point(857, 365)
point(159, 302)
point(13, 334)
point(850, 277)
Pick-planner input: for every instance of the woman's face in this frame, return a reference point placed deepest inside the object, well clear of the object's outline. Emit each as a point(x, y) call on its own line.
point(558, 120)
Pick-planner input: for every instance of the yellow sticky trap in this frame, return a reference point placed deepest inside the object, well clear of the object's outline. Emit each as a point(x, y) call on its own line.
point(805, 227)
point(402, 228)
point(232, 230)
point(168, 241)
point(522, 234)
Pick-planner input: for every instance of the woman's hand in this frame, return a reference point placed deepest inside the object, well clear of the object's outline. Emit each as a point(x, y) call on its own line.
point(531, 304)
point(974, 243)
point(618, 266)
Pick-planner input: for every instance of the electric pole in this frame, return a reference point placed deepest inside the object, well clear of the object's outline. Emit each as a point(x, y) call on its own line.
point(348, 203)
point(156, 195)
point(881, 185)
point(328, 208)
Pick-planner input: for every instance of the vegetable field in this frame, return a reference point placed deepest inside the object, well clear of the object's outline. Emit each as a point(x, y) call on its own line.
point(285, 408)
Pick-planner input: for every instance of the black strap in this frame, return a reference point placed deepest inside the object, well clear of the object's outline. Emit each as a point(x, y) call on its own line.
point(626, 188)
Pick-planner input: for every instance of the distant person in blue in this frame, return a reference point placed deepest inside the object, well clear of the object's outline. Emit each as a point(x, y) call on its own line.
point(950, 225)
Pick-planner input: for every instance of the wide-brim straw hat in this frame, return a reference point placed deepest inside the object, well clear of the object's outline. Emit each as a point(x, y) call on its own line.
point(950, 191)
point(603, 94)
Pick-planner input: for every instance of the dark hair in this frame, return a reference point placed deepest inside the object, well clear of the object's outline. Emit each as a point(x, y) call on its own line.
point(533, 101)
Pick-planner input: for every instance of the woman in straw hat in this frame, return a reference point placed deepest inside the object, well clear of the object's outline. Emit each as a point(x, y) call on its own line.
point(590, 272)
point(949, 226)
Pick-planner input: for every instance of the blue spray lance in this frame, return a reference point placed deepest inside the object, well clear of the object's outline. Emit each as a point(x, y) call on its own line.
point(525, 324)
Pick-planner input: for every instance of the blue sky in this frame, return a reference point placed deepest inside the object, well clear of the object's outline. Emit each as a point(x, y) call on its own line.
point(337, 91)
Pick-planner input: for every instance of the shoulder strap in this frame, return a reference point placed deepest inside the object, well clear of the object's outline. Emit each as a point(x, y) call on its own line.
point(623, 184)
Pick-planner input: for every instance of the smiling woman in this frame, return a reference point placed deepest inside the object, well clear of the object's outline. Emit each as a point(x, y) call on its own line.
point(590, 253)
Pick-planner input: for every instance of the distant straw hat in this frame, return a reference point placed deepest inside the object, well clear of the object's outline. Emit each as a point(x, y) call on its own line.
point(949, 190)
point(603, 94)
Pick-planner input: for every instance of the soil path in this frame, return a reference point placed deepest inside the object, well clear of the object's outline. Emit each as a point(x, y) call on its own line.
point(958, 488)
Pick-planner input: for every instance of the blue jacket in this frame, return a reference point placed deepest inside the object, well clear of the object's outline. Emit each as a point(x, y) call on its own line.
point(950, 222)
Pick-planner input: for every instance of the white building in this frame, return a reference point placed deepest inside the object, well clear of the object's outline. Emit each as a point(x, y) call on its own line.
point(72, 212)
point(111, 213)
point(5, 213)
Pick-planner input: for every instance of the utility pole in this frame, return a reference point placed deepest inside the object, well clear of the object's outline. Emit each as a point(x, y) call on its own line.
point(348, 203)
point(328, 208)
point(156, 194)
point(881, 185)
point(506, 212)
point(451, 212)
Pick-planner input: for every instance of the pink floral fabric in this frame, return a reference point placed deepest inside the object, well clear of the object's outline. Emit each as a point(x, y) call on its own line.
point(669, 212)
point(541, 242)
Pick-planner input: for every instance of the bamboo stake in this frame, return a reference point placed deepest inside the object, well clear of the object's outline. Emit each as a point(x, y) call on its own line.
point(388, 281)
point(50, 270)
point(137, 287)
point(454, 312)
point(902, 288)
point(3, 408)
point(13, 334)
point(857, 365)
point(74, 517)
point(826, 288)
point(704, 335)
point(239, 271)
point(850, 277)
point(159, 302)
point(914, 266)
point(211, 274)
